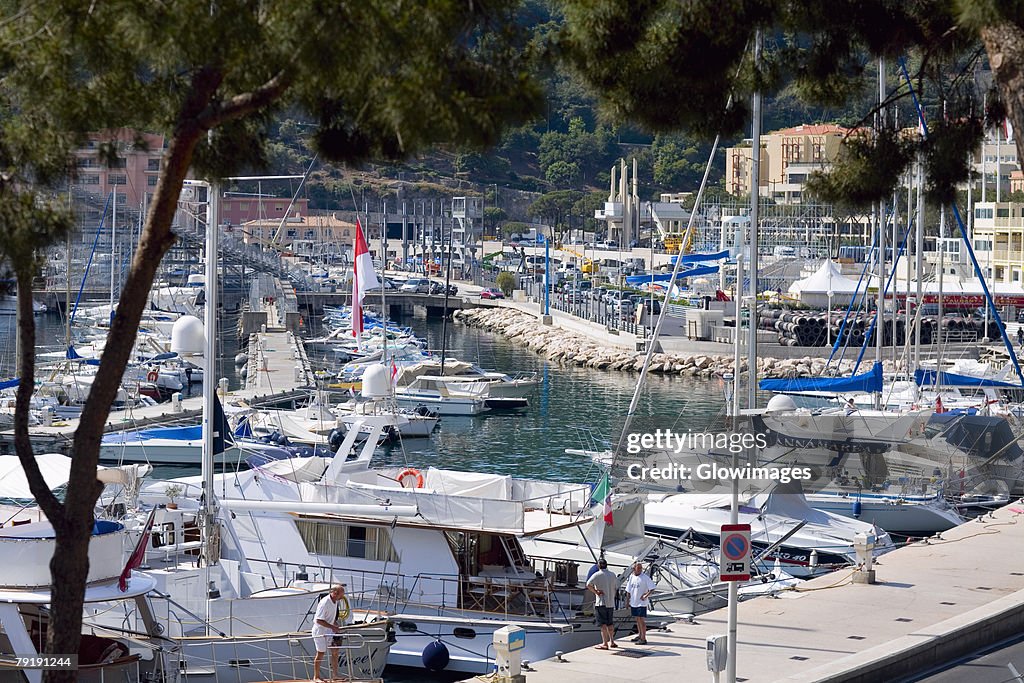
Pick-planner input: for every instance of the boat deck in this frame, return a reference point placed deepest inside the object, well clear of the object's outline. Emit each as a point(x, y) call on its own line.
point(932, 602)
point(279, 371)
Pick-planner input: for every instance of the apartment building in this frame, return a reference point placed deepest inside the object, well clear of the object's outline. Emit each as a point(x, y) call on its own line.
point(132, 175)
point(788, 157)
point(1002, 225)
point(304, 235)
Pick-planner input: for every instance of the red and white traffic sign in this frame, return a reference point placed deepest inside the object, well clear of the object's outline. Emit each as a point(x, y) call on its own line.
point(735, 552)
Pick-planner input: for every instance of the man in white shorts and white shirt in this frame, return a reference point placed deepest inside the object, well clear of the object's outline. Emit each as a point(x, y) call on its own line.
point(325, 624)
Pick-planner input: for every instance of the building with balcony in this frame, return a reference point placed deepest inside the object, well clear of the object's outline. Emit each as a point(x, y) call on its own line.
point(301, 235)
point(1000, 224)
point(997, 168)
point(131, 174)
point(240, 209)
point(788, 157)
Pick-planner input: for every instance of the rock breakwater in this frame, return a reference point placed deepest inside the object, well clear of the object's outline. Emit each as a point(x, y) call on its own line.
point(563, 346)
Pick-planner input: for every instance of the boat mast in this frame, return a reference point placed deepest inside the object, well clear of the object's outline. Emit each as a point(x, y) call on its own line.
point(208, 507)
point(383, 277)
point(113, 249)
point(880, 224)
point(447, 280)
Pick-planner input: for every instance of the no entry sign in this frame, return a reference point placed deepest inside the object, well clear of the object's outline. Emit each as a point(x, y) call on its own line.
point(735, 552)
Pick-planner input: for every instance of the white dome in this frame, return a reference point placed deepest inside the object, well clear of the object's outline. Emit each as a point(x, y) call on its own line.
point(780, 403)
point(375, 382)
point(188, 337)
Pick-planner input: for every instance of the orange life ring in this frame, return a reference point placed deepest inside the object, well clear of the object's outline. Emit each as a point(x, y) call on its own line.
point(411, 472)
point(152, 376)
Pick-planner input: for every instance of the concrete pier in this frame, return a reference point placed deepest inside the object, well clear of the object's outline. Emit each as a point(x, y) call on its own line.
point(279, 372)
point(934, 601)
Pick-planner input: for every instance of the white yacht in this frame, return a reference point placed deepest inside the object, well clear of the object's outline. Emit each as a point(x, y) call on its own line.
point(438, 552)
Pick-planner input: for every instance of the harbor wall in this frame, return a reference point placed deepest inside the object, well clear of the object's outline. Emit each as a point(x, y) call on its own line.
point(575, 344)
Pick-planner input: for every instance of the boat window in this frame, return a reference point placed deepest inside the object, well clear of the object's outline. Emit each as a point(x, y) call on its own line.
point(463, 632)
point(345, 540)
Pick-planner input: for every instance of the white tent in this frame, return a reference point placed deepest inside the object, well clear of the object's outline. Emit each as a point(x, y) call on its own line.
point(814, 290)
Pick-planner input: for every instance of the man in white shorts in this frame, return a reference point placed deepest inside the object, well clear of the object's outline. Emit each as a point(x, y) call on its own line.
point(325, 624)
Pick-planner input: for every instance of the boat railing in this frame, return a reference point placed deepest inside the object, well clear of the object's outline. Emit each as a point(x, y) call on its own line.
point(546, 596)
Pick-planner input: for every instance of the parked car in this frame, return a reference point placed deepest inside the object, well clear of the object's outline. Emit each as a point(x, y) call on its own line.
point(491, 293)
point(416, 285)
point(621, 307)
point(614, 295)
point(387, 284)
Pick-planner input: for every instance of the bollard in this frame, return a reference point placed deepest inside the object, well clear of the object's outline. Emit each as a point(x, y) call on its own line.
point(222, 387)
point(864, 545)
point(47, 416)
point(298, 373)
point(176, 401)
point(508, 642)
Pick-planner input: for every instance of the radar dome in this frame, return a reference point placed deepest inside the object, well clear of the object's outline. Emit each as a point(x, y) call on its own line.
point(780, 403)
point(375, 382)
point(188, 336)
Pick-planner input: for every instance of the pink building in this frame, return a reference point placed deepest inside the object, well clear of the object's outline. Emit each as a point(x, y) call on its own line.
point(241, 210)
point(133, 174)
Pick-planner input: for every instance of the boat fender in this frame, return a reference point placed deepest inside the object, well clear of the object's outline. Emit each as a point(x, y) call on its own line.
point(435, 656)
point(857, 509)
point(152, 376)
point(411, 472)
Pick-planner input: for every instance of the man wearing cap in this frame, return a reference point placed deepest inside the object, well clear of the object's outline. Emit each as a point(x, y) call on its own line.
point(639, 587)
point(604, 585)
point(325, 625)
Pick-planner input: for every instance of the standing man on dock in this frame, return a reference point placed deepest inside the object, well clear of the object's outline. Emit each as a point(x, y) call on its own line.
point(325, 625)
point(639, 587)
point(604, 585)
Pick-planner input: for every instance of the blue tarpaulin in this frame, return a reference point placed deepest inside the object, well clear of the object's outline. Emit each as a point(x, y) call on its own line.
point(692, 272)
point(697, 258)
point(867, 382)
point(949, 379)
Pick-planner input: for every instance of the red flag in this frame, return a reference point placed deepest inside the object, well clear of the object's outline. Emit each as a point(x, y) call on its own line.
point(394, 370)
point(363, 279)
point(135, 559)
point(608, 509)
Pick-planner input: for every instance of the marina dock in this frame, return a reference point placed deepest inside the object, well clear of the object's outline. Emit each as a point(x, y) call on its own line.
point(934, 601)
point(278, 372)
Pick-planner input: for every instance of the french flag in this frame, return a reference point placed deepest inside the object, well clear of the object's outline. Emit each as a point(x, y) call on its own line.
point(363, 279)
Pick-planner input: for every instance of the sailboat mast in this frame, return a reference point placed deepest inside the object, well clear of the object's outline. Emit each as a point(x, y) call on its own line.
point(113, 249)
point(755, 200)
point(208, 509)
point(919, 262)
point(880, 224)
point(67, 283)
point(447, 282)
point(383, 276)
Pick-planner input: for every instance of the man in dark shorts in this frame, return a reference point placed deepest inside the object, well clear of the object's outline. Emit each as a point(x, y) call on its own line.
point(604, 585)
point(639, 587)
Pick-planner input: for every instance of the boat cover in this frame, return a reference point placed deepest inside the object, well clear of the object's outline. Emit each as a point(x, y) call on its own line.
point(865, 383)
